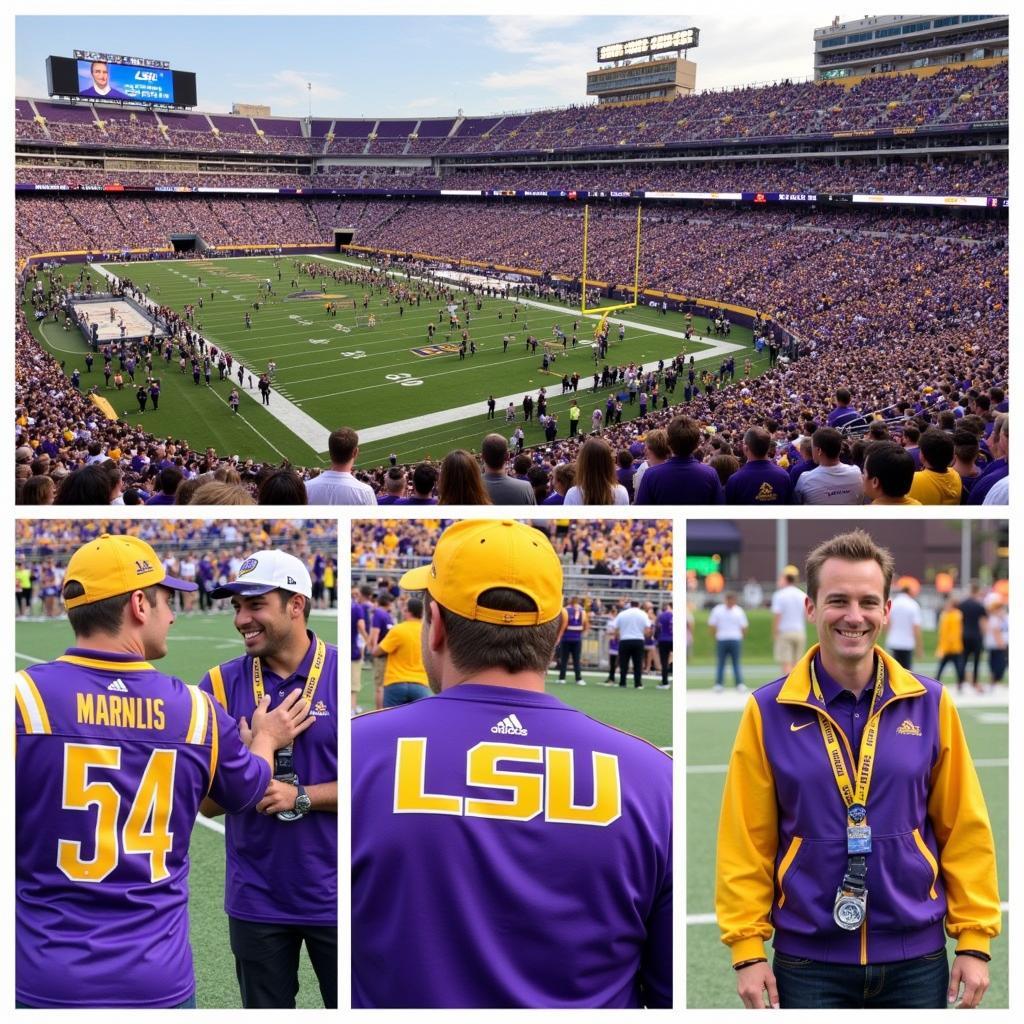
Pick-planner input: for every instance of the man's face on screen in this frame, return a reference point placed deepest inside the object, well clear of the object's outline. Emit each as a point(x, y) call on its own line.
point(100, 75)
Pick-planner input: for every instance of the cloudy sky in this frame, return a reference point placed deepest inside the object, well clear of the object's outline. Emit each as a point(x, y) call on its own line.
point(397, 65)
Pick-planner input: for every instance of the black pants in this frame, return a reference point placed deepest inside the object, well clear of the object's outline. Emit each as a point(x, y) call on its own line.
point(631, 650)
point(567, 649)
point(957, 661)
point(267, 962)
point(664, 651)
point(972, 657)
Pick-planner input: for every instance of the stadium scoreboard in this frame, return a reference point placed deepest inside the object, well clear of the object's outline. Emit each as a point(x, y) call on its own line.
point(635, 75)
point(93, 75)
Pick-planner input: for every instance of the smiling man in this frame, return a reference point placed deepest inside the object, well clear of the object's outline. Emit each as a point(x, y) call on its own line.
point(853, 825)
point(282, 883)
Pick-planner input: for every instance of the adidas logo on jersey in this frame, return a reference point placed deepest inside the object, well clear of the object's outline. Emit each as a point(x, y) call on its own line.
point(510, 726)
point(118, 685)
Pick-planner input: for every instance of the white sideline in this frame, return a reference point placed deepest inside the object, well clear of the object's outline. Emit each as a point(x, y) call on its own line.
point(301, 424)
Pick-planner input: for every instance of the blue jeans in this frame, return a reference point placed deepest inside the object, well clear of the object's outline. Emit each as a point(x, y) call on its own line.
point(918, 984)
point(404, 693)
point(728, 650)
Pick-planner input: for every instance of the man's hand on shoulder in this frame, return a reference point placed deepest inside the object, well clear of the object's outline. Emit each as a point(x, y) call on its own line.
point(751, 984)
point(972, 973)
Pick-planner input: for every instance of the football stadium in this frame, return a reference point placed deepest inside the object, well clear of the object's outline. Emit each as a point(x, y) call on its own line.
point(209, 295)
point(607, 564)
point(955, 575)
point(211, 553)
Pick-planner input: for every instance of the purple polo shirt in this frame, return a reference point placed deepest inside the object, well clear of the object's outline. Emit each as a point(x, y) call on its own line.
point(842, 415)
point(850, 712)
point(664, 628)
point(758, 482)
point(360, 613)
point(113, 932)
point(381, 620)
point(680, 481)
point(285, 871)
point(510, 913)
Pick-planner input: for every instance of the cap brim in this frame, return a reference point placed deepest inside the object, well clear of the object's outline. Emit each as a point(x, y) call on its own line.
point(241, 590)
point(416, 579)
point(172, 583)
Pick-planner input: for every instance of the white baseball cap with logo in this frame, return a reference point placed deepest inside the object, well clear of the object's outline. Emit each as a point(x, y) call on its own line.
point(266, 571)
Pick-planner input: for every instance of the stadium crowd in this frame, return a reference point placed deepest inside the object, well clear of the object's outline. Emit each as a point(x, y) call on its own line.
point(953, 95)
point(206, 551)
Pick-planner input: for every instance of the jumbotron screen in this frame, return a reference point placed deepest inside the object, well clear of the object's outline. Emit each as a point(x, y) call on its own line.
point(105, 76)
point(100, 79)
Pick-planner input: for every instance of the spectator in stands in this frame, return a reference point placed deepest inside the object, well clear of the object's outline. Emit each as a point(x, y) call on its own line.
point(888, 474)
point(214, 492)
point(758, 481)
point(394, 486)
point(831, 482)
point(424, 477)
point(282, 487)
point(936, 483)
point(37, 490)
point(563, 478)
point(337, 485)
point(89, 485)
point(503, 489)
point(459, 481)
point(167, 483)
point(596, 483)
point(997, 470)
point(682, 479)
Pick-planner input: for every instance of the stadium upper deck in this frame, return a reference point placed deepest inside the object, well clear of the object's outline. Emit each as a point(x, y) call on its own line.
point(969, 98)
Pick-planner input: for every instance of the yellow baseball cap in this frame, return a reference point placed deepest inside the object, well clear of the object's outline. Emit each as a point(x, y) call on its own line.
point(112, 565)
point(476, 555)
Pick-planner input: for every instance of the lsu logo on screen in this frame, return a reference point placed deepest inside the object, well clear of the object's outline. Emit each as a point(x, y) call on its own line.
point(434, 350)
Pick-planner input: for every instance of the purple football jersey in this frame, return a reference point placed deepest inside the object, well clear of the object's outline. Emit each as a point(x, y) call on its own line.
point(284, 871)
point(519, 849)
point(113, 760)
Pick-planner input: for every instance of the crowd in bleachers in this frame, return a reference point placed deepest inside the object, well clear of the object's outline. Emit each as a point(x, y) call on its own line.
point(206, 551)
point(953, 95)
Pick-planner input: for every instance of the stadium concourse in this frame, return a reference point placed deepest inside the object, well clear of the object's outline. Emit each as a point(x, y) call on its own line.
point(896, 318)
point(206, 551)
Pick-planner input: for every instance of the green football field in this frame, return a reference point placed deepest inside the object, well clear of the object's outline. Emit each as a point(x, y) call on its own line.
point(646, 713)
point(196, 642)
point(332, 373)
point(709, 736)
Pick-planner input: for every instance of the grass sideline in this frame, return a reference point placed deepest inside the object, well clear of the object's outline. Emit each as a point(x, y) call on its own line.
point(341, 374)
point(709, 735)
point(646, 713)
point(195, 643)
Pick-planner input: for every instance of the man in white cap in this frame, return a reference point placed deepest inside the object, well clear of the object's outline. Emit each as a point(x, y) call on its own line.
point(282, 885)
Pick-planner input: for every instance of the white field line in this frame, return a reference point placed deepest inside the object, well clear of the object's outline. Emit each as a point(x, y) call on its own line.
point(211, 824)
point(415, 424)
point(301, 424)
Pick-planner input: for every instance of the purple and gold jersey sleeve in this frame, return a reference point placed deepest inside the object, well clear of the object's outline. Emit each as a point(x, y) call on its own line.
point(239, 778)
point(112, 761)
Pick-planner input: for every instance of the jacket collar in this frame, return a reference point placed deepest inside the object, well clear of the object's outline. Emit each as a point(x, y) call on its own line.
point(797, 687)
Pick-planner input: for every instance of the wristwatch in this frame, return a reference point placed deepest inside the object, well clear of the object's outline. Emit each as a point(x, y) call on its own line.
point(303, 804)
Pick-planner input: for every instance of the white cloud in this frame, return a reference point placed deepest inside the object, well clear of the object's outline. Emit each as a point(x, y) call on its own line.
point(288, 92)
point(428, 103)
point(25, 85)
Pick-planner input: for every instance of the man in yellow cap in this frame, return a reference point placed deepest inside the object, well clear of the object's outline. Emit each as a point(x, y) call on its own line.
point(470, 810)
point(113, 758)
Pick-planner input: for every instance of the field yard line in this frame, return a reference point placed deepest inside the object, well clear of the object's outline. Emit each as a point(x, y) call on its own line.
point(720, 769)
point(28, 658)
point(213, 826)
point(301, 424)
point(711, 919)
point(436, 419)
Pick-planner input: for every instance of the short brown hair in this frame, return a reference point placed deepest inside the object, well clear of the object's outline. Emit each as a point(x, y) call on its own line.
point(342, 445)
point(104, 616)
point(683, 436)
point(856, 546)
point(657, 442)
point(475, 646)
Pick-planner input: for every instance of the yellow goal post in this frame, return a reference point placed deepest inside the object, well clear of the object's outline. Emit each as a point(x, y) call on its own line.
point(584, 308)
